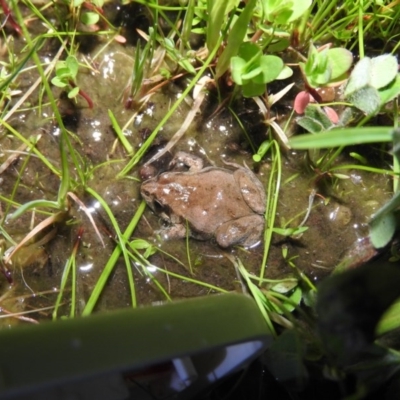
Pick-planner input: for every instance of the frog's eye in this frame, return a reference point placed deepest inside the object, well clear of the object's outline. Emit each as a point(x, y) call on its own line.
point(146, 192)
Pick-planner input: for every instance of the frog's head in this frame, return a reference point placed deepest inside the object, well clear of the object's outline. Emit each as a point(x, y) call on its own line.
point(149, 191)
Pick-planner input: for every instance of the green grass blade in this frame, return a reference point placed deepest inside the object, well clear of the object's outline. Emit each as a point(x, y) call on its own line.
point(119, 133)
point(191, 280)
point(257, 295)
point(33, 204)
point(390, 319)
point(120, 248)
point(144, 263)
point(73, 286)
point(274, 184)
point(21, 65)
point(63, 283)
point(65, 175)
point(216, 12)
point(235, 39)
point(342, 137)
point(31, 147)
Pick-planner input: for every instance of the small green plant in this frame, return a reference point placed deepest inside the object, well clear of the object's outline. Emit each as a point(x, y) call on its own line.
point(94, 7)
point(317, 119)
point(142, 63)
point(7, 93)
point(234, 39)
point(176, 55)
point(66, 72)
point(326, 66)
point(373, 83)
point(284, 12)
point(252, 70)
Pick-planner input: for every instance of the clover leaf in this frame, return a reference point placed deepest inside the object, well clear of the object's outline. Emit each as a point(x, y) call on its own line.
point(373, 82)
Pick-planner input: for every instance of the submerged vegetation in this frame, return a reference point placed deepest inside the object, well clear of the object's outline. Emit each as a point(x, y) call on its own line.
point(96, 95)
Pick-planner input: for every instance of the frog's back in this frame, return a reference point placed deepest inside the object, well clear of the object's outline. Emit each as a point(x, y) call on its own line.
point(215, 199)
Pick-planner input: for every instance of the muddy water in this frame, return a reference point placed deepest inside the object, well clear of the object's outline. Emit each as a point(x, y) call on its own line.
point(338, 217)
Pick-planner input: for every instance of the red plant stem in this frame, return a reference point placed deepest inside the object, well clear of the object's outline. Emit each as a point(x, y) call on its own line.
point(9, 17)
point(313, 93)
point(82, 93)
point(86, 97)
point(128, 103)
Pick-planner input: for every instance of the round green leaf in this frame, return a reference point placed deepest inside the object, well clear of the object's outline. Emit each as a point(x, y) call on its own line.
point(251, 89)
point(321, 78)
point(73, 93)
point(359, 77)
point(391, 91)
point(90, 18)
point(56, 81)
point(322, 61)
point(279, 45)
point(366, 99)
point(384, 69)
point(249, 51)
point(271, 67)
point(285, 286)
point(237, 68)
point(299, 7)
point(381, 229)
point(63, 73)
point(340, 61)
point(282, 17)
point(72, 65)
point(253, 73)
point(286, 72)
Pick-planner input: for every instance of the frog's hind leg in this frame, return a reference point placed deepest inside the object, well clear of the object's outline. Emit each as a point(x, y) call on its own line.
point(245, 231)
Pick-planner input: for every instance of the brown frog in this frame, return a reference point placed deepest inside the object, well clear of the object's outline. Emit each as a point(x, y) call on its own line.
point(212, 202)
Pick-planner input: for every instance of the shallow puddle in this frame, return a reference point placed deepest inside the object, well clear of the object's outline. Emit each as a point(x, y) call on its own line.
point(340, 208)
